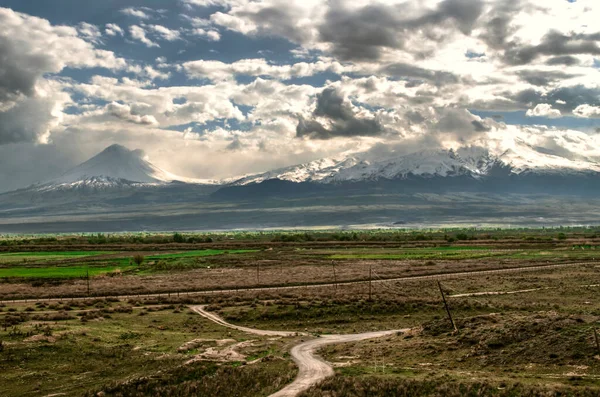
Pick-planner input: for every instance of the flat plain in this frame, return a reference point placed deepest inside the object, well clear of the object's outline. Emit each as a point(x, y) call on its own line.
point(111, 315)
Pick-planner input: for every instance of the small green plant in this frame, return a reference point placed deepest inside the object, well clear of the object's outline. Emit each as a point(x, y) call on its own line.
point(138, 259)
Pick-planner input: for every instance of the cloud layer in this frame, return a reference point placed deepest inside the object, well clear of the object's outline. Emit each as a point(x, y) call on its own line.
point(280, 82)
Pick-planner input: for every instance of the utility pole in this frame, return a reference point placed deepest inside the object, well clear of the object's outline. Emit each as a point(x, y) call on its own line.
point(447, 308)
point(334, 276)
point(597, 340)
point(258, 273)
point(87, 276)
point(370, 283)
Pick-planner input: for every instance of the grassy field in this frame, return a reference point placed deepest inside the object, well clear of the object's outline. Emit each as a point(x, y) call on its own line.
point(25, 257)
point(95, 345)
point(113, 266)
point(197, 254)
point(520, 333)
point(62, 271)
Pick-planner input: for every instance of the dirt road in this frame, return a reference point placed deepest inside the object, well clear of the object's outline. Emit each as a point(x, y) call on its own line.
point(311, 368)
point(213, 317)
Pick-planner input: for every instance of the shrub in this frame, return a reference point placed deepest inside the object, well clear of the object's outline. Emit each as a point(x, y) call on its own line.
point(138, 259)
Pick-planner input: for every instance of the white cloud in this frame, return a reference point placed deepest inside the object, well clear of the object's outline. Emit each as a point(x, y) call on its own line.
point(218, 71)
point(543, 110)
point(165, 33)
point(587, 111)
point(413, 66)
point(112, 29)
point(208, 3)
point(135, 12)
point(138, 33)
point(89, 32)
point(124, 112)
point(211, 35)
point(31, 48)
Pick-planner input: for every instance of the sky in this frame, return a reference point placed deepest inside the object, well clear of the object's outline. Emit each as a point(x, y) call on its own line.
point(221, 88)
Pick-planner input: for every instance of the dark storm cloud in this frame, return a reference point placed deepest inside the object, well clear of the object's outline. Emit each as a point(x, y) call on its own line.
point(24, 117)
point(498, 23)
point(414, 117)
point(18, 72)
point(565, 99)
point(403, 70)
point(566, 60)
point(331, 105)
point(553, 44)
point(479, 126)
point(463, 12)
point(365, 32)
point(25, 122)
point(461, 124)
point(543, 78)
point(362, 34)
point(278, 21)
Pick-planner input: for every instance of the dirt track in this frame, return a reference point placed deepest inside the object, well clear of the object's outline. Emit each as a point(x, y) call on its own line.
point(213, 317)
point(311, 368)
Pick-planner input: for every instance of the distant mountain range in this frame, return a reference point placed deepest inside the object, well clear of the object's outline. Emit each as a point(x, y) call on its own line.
point(123, 181)
point(118, 166)
point(475, 162)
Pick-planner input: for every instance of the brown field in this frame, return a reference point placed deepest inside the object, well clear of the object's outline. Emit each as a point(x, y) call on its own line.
point(520, 332)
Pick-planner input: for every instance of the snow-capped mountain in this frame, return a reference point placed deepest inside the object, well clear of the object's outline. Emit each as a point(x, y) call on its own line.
point(120, 190)
point(115, 166)
point(474, 162)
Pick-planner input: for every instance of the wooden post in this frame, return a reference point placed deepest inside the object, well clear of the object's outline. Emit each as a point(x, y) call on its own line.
point(597, 340)
point(258, 274)
point(370, 284)
point(447, 308)
point(334, 276)
point(87, 274)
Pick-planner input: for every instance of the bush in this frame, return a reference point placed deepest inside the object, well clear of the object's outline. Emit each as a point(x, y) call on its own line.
point(562, 236)
point(138, 259)
point(462, 236)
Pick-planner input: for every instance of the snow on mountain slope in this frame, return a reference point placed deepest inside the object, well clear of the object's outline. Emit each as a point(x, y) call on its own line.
point(524, 158)
point(313, 171)
point(115, 166)
point(427, 163)
point(475, 162)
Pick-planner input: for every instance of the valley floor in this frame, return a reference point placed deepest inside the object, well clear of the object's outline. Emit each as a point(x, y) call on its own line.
point(525, 328)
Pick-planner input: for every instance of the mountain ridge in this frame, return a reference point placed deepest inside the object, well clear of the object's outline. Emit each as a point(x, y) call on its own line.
point(475, 162)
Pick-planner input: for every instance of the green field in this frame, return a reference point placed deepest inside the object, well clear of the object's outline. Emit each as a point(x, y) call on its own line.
point(16, 257)
point(171, 261)
point(60, 271)
point(197, 253)
point(447, 253)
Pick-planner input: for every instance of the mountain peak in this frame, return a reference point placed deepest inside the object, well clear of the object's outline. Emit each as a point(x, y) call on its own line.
point(115, 147)
point(120, 150)
point(116, 163)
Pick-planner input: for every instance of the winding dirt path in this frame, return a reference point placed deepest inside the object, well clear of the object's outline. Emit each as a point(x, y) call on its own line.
point(214, 318)
point(311, 368)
